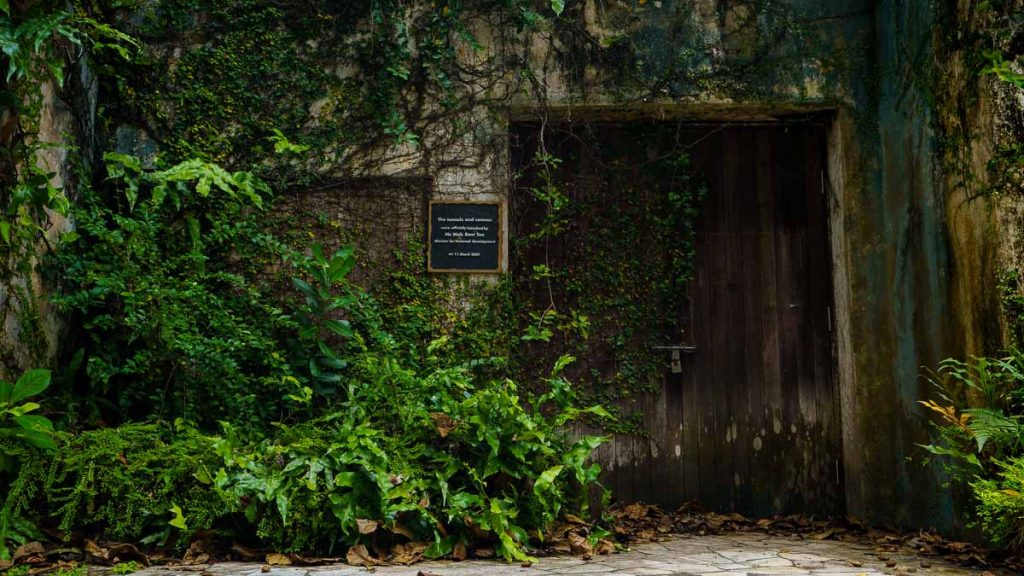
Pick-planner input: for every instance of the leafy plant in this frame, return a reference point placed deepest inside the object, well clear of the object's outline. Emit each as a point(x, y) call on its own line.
point(122, 568)
point(980, 438)
point(16, 422)
point(123, 482)
point(21, 434)
point(164, 273)
point(318, 327)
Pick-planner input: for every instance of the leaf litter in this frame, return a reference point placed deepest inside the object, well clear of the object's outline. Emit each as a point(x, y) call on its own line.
point(622, 525)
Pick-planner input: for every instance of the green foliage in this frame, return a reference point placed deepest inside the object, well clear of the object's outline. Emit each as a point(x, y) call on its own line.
point(433, 456)
point(335, 407)
point(413, 443)
point(256, 68)
point(157, 272)
point(123, 482)
point(122, 568)
point(980, 438)
point(1001, 503)
point(37, 40)
point(23, 436)
point(16, 422)
point(590, 286)
point(318, 329)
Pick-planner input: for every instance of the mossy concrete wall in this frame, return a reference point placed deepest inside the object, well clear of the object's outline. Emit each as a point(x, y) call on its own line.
point(30, 328)
point(915, 258)
point(915, 254)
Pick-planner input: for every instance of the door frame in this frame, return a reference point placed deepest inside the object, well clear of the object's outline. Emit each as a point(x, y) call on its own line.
point(837, 130)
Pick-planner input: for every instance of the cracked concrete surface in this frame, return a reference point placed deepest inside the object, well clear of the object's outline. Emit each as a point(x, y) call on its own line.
point(745, 553)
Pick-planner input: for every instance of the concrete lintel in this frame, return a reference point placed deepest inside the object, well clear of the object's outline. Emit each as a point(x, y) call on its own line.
point(716, 112)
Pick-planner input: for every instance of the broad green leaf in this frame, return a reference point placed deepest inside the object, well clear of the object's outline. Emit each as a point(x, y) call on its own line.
point(440, 547)
point(943, 451)
point(339, 327)
point(31, 383)
point(561, 363)
point(40, 440)
point(558, 6)
point(179, 518)
point(34, 423)
point(546, 482)
point(511, 550)
point(203, 186)
point(282, 507)
point(159, 193)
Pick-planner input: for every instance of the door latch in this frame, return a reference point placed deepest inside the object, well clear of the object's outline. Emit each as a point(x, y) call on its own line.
point(677, 362)
point(677, 355)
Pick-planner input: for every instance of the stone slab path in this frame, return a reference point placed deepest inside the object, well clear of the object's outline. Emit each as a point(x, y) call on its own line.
point(745, 553)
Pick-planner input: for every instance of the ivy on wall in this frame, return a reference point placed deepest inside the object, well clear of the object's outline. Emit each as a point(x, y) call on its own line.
point(608, 216)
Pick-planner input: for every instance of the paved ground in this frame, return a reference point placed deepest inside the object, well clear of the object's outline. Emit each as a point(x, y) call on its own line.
point(750, 554)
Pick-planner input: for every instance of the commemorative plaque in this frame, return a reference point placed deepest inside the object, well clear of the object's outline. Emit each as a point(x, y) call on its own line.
point(465, 237)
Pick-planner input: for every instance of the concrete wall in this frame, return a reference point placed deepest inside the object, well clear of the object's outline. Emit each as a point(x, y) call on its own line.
point(915, 259)
point(30, 329)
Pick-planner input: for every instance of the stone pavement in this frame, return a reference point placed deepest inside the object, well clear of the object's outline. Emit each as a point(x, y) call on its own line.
point(744, 553)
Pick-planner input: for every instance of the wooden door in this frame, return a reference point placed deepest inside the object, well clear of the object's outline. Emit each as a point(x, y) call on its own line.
point(751, 422)
point(758, 398)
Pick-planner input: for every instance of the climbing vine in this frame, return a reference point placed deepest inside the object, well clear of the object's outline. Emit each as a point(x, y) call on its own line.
point(40, 41)
point(606, 253)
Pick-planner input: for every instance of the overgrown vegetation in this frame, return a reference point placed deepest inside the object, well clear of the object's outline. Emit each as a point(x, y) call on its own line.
point(334, 414)
point(586, 271)
point(291, 403)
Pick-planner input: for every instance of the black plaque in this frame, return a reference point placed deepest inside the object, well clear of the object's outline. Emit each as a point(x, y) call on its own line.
point(465, 237)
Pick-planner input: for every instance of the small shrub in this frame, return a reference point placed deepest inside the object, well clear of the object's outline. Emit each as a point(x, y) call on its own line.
point(22, 437)
point(162, 276)
point(1001, 504)
point(124, 482)
point(980, 438)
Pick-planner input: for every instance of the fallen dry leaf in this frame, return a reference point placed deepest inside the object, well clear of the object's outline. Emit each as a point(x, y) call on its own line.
point(30, 553)
point(580, 545)
point(636, 511)
point(366, 526)
point(126, 553)
point(409, 552)
point(245, 552)
point(278, 559)
point(485, 552)
point(358, 555)
point(403, 531)
point(575, 519)
point(459, 551)
point(199, 552)
point(443, 423)
point(94, 549)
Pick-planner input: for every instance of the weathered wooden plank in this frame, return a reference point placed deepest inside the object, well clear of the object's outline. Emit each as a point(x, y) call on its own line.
point(767, 340)
point(712, 402)
point(752, 385)
point(738, 182)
